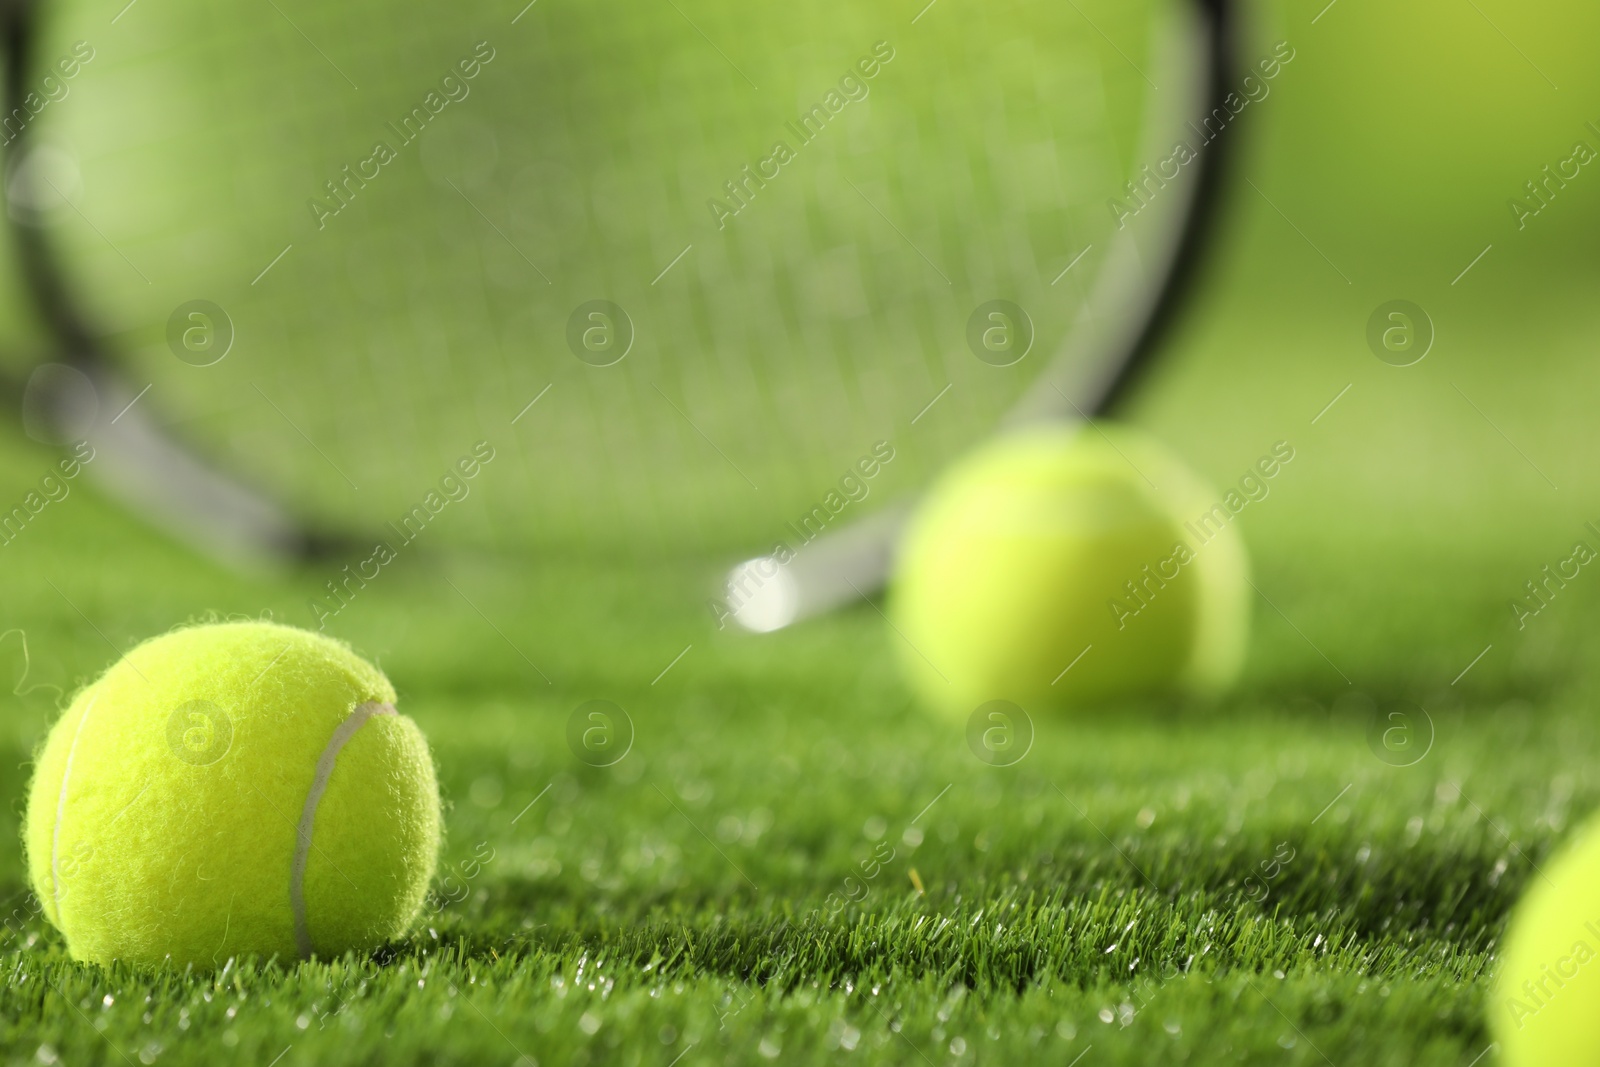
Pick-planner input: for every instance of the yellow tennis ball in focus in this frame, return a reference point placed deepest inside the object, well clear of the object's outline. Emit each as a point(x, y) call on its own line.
point(234, 789)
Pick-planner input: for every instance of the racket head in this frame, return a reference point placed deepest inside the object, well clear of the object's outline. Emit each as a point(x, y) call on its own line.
point(690, 270)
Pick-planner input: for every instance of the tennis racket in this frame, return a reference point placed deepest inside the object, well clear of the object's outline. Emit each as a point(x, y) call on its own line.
point(1119, 326)
point(678, 268)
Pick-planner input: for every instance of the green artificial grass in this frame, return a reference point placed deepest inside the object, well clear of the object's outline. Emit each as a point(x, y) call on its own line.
point(686, 899)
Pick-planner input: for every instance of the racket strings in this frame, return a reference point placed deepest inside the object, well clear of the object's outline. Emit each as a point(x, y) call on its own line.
point(592, 159)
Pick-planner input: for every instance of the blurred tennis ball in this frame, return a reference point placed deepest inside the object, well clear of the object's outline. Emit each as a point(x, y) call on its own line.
point(1057, 567)
point(1546, 1004)
point(234, 789)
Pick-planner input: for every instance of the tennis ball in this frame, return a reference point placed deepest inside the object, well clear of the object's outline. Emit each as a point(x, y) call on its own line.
point(1059, 566)
point(234, 789)
point(1545, 1008)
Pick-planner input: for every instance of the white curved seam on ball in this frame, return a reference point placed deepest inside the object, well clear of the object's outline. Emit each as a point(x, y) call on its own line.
point(61, 809)
point(308, 815)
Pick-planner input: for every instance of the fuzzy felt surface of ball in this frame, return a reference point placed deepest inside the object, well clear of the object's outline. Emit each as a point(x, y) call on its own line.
point(232, 789)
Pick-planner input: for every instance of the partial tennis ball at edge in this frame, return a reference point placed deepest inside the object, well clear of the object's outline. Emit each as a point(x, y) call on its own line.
point(1061, 566)
point(1545, 1008)
point(234, 789)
